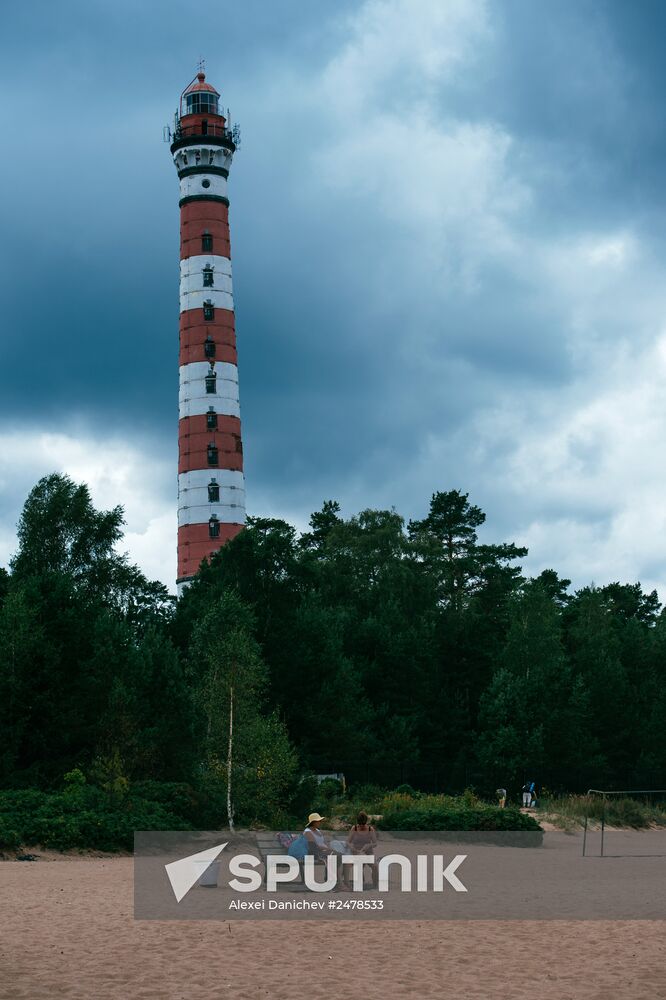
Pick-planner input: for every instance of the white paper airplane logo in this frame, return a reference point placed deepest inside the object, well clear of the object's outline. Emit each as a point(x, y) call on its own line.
point(186, 872)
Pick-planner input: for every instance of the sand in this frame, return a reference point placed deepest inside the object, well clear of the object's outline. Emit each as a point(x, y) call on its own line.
point(68, 932)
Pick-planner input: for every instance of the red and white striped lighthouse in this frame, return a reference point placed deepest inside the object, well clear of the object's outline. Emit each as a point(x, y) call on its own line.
point(211, 488)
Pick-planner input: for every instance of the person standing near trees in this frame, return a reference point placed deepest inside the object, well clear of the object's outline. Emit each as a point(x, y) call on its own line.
point(501, 797)
point(528, 789)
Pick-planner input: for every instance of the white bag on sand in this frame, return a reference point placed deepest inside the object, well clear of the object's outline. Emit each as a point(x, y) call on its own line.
point(209, 877)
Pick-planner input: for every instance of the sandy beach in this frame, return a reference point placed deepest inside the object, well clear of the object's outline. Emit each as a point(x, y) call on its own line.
point(68, 931)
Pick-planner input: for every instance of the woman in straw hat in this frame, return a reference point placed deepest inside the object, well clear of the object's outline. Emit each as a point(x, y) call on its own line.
point(317, 845)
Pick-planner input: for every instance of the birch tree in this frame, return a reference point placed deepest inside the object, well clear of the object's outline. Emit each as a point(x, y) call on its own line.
point(230, 696)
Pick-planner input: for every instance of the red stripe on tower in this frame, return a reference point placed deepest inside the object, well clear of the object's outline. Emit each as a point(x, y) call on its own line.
point(211, 487)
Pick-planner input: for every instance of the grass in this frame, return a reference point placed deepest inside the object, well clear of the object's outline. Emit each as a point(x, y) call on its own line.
point(411, 810)
point(569, 811)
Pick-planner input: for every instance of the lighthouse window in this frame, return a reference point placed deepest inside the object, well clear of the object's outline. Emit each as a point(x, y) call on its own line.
point(214, 528)
point(207, 243)
point(201, 103)
point(209, 347)
point(211, 420)
point(213, 492)
point(209, 310)
point(212, 454)
point(208, 277)
point(205, 183)
point(211, 382)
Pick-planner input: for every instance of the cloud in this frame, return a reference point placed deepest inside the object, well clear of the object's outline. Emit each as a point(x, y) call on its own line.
point(448, 265)
point(393, 147)
point(116, 471)
point(584, 473)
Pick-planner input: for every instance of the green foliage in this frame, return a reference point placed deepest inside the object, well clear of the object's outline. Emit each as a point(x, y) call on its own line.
point(89, 818)
point(330, 790)
point(367, 793)
point(457, 816)
point(406, 789)
point(74, 780)
point(413, 656)
point(243, 747)
point(87, 668)
point(619, 811)
point(303, 797)
point(535, 708)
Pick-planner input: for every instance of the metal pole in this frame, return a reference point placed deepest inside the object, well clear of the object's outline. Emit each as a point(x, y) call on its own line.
point(603, 824)
point(585, 835)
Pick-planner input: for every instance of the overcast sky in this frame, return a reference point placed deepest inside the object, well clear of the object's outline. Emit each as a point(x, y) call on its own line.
point(448, 224)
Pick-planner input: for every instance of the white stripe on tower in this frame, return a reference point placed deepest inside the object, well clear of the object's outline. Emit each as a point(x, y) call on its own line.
point(194, 271)
point(194, 396)
point(210, 185)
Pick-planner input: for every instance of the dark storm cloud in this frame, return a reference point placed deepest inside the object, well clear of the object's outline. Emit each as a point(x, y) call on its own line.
point(379, 315)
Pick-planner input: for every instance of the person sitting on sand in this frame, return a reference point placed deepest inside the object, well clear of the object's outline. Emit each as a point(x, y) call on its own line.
point(317, 845)
point(362, 839)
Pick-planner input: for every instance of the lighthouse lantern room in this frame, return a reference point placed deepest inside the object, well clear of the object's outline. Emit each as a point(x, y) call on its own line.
point(211, 488)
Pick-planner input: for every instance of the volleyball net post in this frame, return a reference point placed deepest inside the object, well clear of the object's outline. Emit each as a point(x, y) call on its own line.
point(628, 793)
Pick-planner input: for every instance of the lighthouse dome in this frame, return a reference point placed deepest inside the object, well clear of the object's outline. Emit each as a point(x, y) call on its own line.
point(200, 97)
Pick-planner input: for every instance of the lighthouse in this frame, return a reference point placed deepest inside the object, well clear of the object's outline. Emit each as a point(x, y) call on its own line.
point(211, 488)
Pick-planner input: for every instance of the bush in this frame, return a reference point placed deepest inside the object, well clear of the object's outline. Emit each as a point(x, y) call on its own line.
point(458, 818)
point(406, 789)
point(366, 795)
point(176, 797)
point(329, 790)
point(396, 801)
point(301, 801)
point(619, 811)
point(89, 819)
point(10, 839)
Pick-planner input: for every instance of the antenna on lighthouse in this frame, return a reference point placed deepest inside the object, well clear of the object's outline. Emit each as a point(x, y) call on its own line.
point(201, 65)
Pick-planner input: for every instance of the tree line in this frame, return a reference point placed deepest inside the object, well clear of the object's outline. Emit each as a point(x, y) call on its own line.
point(381, 648)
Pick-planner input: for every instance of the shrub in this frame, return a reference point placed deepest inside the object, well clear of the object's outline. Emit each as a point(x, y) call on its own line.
point(458, 818)
point(303, 797)
point(366, 794)
point(406, 789)
point(329, 790)
point(395, 801)
point(619, 811)
point(470, 798)
point(90, 819)
point(176, 797)
point(74, 779)
point(10, 838)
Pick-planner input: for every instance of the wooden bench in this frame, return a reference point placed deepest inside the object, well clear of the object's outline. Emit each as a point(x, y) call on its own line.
point(268, 845)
